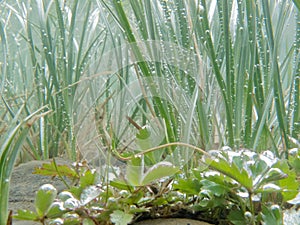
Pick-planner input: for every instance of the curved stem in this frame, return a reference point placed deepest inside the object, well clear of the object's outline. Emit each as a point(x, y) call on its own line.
point(160, 147)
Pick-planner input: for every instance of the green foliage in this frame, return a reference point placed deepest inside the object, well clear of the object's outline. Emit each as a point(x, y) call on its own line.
point(136, 176)
point(56, 170)
point(26, 215)
point(237, 187)
point(44, 198)
point(120, 218)
point(272, 215)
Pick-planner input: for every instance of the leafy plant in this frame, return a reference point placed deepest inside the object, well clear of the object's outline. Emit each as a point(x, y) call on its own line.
point(232, 188)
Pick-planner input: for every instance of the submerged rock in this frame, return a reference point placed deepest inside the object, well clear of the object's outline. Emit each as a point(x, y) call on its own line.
point(24, 184)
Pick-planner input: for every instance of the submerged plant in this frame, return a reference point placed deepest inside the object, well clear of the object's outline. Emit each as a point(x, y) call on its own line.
point(227, 187)
point(141, 81)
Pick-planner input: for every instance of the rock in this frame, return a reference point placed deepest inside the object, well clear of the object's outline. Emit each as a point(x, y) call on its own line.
point(24, 184)
point(172, 221)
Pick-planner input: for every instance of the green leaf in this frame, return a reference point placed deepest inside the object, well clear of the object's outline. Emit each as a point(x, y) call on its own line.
point(26, 215)
point(274, 174)
point(143, 134)
point(236, 217)
point(49, 169)
point(134, 198)
point(72, 221)
point(76, 191)
point(188, 186)
point(89, 194)
point(44, 198)
point(222, 180)
point(295, 163)
point(87, 179)
point(158, 171)
point(143, 139)
point(56, 210)
point(88, 221)
point(232, 171)
point(134, 171)
point(216, 189)
point(121, 185)
point(119, 217)
point(272, 215)
point(289, 185)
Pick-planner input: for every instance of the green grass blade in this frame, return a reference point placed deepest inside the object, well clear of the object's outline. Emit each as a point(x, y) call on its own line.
point(277, 85)
point(295, 117)
point(10, 147)
point(212, 54)
point(4, 52)
point(251, 15)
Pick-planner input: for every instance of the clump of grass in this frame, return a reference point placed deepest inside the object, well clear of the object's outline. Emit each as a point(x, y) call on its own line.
point(245, 93)
point(49, 45)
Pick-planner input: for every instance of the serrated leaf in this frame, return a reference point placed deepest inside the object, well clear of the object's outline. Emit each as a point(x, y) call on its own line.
point(232, 171)
point(44, 198)
point(26, 215)
point(258, 167)
point(87, 179)
point(72, 221)
point(76, 191)
point(274, 174)
point(49, 169)
point(289, 185)
point(215, 188)
point(222, 180)
point(189, 186)
point(158, 171)
point(272, 215)
point(119, 217)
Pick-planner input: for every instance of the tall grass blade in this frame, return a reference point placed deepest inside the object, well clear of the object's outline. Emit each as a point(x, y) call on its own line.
point(4, 57)
point(277, 85)
point(10, 147)
point(295, 103)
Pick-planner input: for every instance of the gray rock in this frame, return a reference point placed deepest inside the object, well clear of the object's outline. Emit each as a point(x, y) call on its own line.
point(24, 185)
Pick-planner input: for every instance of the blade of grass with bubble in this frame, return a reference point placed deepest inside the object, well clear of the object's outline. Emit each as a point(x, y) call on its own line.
point(11, 143)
